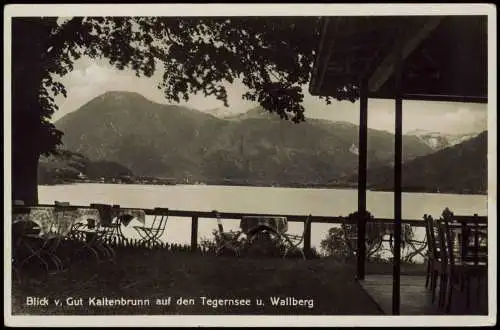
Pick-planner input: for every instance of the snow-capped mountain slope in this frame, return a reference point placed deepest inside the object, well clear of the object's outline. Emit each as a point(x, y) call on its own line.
point(438, 141)
point(222, 112)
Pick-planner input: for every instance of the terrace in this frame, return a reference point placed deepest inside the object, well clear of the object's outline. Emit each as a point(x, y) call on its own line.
point(139, 270)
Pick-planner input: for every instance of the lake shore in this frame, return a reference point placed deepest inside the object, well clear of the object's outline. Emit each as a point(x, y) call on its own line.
point(266, 185)
point(264, 200)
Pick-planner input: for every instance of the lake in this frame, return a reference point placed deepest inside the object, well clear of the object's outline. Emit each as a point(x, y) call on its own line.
point(300, 201)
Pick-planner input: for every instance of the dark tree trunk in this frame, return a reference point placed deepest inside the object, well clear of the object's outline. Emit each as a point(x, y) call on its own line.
point(26, 141)
point(24, 174)
point(29, 37)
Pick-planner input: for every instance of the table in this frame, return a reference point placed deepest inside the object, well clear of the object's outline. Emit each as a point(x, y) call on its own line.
point(56, 220)
point(101, 235)
point(250, 225)
point(38, 232)
point(113, 217)
point(124, 217)
point(273, 228)
point(127, 215)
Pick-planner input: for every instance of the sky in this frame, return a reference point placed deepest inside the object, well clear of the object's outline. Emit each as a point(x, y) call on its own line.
point(91, 78)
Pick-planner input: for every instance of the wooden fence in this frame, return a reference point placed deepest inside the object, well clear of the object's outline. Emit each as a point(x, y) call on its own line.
point(194, 217)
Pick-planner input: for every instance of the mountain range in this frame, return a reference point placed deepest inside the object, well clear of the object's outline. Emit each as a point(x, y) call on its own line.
point(254, 147)
point(461, 168)
point(172, 141)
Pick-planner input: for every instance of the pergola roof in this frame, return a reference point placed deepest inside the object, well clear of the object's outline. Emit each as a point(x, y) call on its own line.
point(445, 57)
point(440, 58)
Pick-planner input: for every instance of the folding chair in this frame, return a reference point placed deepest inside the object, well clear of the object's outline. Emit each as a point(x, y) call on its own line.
point(151, 235)
point(373, 234)
point(58, 231)
point(105, 231)
point(227, 240)
point(293, 241)
point(87, 237)
point(23, 232)
point(31, 243)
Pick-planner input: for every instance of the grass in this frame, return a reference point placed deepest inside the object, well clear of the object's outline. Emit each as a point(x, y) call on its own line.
point(150, 274)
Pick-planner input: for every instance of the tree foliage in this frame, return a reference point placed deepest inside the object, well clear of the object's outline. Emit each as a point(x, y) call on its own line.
point(272, 56)
point(342, 242)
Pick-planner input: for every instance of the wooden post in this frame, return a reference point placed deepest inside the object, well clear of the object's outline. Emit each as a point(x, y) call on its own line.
point(398, 151)
point(307, 238)
point(362, 160)
point(194, 234)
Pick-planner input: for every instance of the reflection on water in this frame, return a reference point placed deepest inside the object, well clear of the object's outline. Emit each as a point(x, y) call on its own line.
point(320, 202)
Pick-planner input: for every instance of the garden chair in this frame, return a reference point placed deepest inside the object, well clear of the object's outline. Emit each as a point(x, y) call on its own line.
point(83, 237)
point(57, 235)
point(31, 243)
point(24, 232)
point(91, 236)
point(151, 235)
point(100, 236)
point(373, 235)
point(293, 241)
point(226, 240)
point(459, 271)
point(435, 267)
point(109, 226)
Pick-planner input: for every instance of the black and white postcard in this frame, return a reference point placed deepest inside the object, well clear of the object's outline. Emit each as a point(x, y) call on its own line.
point(250, 165)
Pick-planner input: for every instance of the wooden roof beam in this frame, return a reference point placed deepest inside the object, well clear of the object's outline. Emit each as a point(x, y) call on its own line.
point(326, 47)
point(406, 44)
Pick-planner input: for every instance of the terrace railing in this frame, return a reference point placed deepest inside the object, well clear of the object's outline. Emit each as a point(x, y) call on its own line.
point(194, 217)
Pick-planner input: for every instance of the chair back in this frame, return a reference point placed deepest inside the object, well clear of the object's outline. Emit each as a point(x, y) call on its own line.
point(475, 244)
point(105, 213)
point(470, 219)
point(442, 242)
point(451, 239)
point(220, 227)
point(466, 238)
point(160, 220)
point(349, 231)
point(24, 226)
point(453, 242)
point(430, 231)
point(375, 233)
point(307, 222)
point(64, 214)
